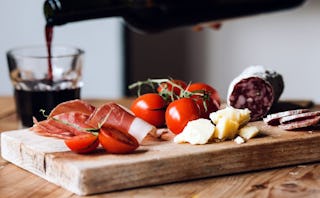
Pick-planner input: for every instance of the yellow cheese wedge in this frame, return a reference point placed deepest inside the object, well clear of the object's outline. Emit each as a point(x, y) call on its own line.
point(226, 129)
point(242, 116)
point(248, 132)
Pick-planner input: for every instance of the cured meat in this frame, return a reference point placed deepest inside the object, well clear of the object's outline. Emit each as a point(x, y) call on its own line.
point(294, 119)
point(299, 116)
point(76, 117)
point(44, 128)
point(308, 122)
point(111, 115)
point(73, 105)
point(64, 125)
point(256, 89)
point(274, 119)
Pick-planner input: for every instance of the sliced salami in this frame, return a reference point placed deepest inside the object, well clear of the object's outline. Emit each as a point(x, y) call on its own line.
point(256, 89)
point(299, 117)
point(274, 119)
point(299, 124)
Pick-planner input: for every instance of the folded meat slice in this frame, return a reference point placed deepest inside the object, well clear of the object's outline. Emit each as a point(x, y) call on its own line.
point(63, 125)
point(73, 105)
point(75, 117)
point(112, 115)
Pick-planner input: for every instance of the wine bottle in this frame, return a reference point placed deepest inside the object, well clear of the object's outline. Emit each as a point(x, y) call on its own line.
point(157, 15)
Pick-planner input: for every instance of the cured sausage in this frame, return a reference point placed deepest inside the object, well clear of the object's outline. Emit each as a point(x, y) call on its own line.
point(256, 89)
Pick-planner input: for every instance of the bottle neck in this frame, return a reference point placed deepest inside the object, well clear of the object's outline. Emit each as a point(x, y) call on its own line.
point(58, 12)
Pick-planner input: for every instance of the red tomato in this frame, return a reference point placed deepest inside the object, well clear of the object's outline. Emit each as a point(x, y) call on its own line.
point(117, 142)
point(150, 107)
point(196, 87)
point(206, 106)
point(180, 112)
point(167, 86)
point(85, 143)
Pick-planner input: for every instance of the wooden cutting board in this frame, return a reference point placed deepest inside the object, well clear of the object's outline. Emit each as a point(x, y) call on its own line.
point(156, 161)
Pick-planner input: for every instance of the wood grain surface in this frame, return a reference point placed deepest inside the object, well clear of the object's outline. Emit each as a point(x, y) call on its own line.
point(302, 180)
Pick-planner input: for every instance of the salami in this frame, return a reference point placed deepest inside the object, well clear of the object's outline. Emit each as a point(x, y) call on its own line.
point(257, 89)
point(300, 116)
point(274, 119)
point(294, 119)
point(299, 124)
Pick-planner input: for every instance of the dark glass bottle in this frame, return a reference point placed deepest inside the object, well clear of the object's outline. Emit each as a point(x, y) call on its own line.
point(157, 15)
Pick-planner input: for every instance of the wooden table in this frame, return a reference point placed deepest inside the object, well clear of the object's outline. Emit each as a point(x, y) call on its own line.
point(294, 181)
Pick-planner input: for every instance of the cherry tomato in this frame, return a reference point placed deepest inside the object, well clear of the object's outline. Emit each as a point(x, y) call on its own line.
point(150, 107)
point(84, 143)
point(180, 112)
point(195, 87)
point(206, 105)
point(167, 87)
point(117, 142)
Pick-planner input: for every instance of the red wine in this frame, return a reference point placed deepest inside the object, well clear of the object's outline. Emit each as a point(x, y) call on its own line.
point(49, 35)
point(29, 103)
point(157, 15)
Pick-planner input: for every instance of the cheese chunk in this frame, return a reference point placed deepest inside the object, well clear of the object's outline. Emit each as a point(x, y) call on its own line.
point(248, 132)
point(226, 129)
point(198, 131)
point(242, 116)
point(239, 140)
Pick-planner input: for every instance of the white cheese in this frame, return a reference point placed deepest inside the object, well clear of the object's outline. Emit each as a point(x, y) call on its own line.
point(239, 140)
point(198, 131)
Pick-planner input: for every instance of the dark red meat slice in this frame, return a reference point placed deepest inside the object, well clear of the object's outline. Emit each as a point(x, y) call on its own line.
point(274, 119)
point(309, 122)
point(300, 116)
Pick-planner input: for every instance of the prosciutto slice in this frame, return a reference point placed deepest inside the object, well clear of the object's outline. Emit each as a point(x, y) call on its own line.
point(76, 117)
point(112, 115)
point(73, 106)
point(64, 125)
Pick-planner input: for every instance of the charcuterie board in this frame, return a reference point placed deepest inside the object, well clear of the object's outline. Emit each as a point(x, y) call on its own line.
point(156, 161)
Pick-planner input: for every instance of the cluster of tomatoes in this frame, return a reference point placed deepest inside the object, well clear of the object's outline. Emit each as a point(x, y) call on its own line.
point(175, 103)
